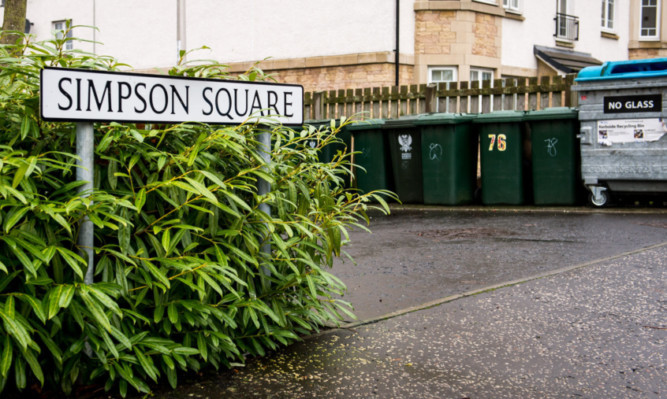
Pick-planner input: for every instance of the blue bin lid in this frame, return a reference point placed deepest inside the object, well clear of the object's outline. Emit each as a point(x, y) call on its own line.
point(634, 69)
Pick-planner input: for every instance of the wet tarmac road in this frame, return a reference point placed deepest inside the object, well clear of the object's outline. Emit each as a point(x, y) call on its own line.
point(416, 256)
point(594, 327)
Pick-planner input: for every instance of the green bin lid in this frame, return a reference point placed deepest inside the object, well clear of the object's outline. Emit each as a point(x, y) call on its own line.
point(403, 121)
point(500, 116)
point(552, 113)
point(317, 122)
point(368, 124)
point(443, 118)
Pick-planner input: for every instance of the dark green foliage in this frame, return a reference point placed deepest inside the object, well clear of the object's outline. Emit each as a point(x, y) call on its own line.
point(181, 281)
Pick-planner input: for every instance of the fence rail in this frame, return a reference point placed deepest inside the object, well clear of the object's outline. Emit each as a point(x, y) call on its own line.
point(455, 97)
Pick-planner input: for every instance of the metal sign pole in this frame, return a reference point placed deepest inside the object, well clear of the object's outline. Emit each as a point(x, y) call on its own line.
point(85, 149)
point(263, 188)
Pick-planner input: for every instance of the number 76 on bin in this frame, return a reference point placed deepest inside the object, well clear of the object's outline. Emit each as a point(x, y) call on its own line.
point(500, 141)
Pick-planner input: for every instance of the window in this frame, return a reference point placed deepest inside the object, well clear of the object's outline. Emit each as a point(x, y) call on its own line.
point(480, 75)
point(649, 19)
point(608, 14)
point(441, 74)
point(61, 28)
point(567, 26)
point(511, 5)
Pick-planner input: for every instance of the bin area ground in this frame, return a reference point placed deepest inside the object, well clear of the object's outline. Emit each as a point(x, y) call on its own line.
point(483, 303)
point(420, 253)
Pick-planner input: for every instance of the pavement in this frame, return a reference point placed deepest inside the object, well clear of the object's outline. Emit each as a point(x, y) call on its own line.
point(484, 303)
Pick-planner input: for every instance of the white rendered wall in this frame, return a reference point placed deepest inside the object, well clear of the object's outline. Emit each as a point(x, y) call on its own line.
point(590, 39)
point(256, 29)
point(143, 33)
point(538, 29)
point(140, 33)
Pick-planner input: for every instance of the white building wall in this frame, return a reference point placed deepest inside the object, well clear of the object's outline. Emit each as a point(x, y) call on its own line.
point(144, 33)
point(590, 37)
point(538, 28)
point(256, 29)
point(140, 33)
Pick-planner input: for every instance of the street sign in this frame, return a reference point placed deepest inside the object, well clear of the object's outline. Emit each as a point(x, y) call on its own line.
point(99, 96)
point(85, 97)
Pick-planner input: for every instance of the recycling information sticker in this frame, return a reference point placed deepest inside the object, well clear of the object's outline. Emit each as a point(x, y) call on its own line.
point(631, 130)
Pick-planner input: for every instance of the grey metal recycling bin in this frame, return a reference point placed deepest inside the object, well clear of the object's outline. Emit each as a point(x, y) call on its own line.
point(622, 110)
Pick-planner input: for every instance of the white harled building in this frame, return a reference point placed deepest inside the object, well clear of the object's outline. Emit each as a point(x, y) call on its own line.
point(326, 45)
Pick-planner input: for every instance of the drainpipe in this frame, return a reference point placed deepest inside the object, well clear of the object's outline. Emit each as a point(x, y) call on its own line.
point(95, 27)
point(180, 28)
point(398, 18)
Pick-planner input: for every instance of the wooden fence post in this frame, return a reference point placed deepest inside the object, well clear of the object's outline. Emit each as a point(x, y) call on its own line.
point(318, 105)
point(430, 99)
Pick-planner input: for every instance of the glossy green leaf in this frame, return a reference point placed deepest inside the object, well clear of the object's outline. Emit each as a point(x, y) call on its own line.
point(7, 356)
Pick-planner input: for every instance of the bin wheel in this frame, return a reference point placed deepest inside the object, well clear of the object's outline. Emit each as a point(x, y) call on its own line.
point(599, 198)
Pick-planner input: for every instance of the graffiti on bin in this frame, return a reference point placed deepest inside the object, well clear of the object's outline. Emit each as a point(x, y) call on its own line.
point(551, 146)
point(435, 152)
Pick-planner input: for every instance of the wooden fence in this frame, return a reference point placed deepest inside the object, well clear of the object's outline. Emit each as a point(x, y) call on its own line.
point(455, 97)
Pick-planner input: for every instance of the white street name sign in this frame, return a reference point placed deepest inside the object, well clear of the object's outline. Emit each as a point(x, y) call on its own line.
point(82, 95)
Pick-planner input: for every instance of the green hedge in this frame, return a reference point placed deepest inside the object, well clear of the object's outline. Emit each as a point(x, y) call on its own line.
point(180, 277)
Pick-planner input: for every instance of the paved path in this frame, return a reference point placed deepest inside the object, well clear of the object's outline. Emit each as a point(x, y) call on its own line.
point(597, 329)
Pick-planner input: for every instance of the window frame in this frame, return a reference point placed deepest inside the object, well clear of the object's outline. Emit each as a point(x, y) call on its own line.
point(453, 69)
point(656, 35)
point(605, 20)
point(69, 45)
point(507, 5)
point(481, 72)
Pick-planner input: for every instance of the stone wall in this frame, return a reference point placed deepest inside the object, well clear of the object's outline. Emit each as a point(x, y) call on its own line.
point(460, 38)
point(344, 77)
point(348, 71)
point(433, 32)
point(642, 53)
point(486, 33)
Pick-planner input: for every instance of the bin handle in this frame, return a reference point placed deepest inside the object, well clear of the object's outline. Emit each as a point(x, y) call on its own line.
point(585, 135)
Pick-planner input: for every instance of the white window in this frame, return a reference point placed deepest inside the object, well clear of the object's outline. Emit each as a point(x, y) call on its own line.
point(486, 1)
point(511, 5)
point(608, 14)
point(62, 28)
point(480, 75)
point(441, 74)
point(649, 20)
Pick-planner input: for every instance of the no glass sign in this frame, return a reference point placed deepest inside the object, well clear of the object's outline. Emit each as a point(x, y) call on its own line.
point(80, 95)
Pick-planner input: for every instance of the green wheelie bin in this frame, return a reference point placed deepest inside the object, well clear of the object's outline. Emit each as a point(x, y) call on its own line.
point(501, 156)
point(449, 158)
point(328, 152)
point(406, 158)
point(554, 150)
point(371, 170)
